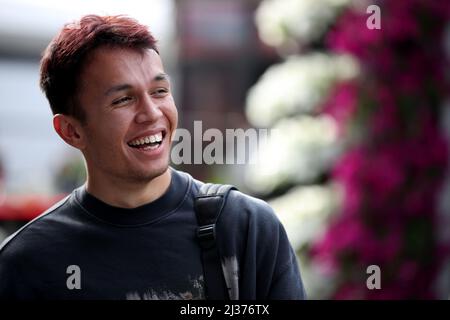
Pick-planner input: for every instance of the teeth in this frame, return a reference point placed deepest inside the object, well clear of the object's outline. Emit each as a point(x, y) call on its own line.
point(149, 139)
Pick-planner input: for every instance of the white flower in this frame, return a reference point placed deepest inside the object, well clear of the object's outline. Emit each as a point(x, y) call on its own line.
point(304, 212)
point(278, 21)
point(298, 150)
point(297, 85)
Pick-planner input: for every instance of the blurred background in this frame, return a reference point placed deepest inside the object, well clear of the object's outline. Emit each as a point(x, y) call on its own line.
point(360, 174)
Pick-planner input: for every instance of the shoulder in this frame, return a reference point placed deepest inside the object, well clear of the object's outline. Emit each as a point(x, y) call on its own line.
point(251, 221)
point(241, 206)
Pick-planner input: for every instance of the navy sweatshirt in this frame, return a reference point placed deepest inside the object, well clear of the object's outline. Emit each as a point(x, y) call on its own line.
point(83, 248)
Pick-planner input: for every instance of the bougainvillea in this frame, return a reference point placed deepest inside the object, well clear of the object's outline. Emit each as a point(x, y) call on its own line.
point(396, 157)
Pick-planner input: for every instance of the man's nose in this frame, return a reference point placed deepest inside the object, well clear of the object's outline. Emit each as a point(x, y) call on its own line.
point(148, 111)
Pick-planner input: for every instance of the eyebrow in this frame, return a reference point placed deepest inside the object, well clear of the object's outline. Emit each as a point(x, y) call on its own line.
point(161, 77)
point(158, 78)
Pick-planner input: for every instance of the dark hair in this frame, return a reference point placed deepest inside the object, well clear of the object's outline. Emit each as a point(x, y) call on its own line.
point(64, 57)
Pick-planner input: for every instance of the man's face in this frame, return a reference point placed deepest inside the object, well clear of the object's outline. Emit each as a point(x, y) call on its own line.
point(130, 115)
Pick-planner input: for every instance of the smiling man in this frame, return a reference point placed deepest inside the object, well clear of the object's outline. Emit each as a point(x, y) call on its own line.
point(130, 117)
point(130, 231)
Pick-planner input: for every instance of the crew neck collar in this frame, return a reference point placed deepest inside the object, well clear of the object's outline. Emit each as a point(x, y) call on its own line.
point(147, 213)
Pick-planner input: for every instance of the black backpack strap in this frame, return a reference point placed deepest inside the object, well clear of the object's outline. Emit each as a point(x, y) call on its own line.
point(208, 206)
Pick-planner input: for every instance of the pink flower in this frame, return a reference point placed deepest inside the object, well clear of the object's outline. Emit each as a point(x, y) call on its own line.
point(408, 271)
point(409, 83)
point(392, 175)
point(342, 104)
point(385, 118)
point(344, 38)
point(400, 22)
point(383, 175)
point(346, 172)
point(351, 291)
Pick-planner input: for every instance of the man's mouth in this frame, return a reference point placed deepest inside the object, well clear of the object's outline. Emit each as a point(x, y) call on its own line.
point(149, 142)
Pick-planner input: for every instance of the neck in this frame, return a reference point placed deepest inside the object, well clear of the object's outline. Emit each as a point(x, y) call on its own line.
point(126, 194)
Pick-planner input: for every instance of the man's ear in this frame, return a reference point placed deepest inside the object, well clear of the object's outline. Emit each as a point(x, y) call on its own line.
point(70, 130)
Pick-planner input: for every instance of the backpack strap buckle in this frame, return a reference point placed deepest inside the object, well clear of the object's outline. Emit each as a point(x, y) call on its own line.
point(207, 235)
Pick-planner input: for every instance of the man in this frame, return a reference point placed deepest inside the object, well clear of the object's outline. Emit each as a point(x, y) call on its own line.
point(130, 231)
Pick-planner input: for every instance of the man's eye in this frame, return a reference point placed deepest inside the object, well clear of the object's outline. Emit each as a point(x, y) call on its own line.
point(122, 100)
point(160, 92)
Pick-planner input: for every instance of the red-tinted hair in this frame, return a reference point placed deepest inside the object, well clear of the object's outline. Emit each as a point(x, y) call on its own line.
point(64, 57)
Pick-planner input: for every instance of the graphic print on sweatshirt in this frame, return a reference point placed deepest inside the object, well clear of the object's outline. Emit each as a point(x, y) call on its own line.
point(194, 291)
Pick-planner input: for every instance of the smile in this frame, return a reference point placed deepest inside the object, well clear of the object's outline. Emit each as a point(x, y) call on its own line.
point(148, 142)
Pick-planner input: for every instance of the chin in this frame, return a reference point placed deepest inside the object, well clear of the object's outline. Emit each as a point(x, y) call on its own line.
point(148, 175)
